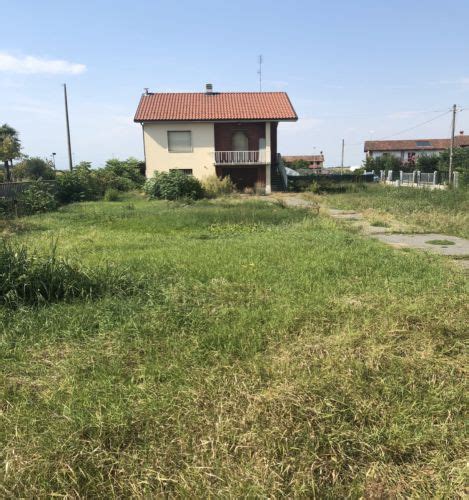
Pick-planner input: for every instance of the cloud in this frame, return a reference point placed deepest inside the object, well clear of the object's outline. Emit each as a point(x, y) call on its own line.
point(35, 65)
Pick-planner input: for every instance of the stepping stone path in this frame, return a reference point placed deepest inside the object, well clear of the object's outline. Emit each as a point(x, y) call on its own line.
point(450, 246)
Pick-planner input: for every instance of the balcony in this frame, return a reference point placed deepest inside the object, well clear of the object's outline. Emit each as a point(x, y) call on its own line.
point(239, 157)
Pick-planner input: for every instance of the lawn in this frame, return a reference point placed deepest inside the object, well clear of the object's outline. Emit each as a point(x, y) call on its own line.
point(257, 351)
point(421, 210)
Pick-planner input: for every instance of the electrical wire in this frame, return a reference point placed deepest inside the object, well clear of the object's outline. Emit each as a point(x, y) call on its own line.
point(407, 129)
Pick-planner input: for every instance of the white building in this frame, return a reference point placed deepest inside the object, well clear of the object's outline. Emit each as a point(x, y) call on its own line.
point(215, 133)
point(407, 151)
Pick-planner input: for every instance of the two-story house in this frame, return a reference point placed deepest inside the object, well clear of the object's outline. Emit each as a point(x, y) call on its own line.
point(407, 151)
point(214, 133)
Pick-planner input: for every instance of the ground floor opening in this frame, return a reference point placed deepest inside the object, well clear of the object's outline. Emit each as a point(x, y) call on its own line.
point(244, 176)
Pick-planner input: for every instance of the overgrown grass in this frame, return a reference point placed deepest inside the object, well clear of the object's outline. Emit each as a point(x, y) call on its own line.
point(424, 210)
point(268, 353)
point(28, 279)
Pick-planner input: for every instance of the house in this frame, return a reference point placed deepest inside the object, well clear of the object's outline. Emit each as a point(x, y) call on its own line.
point(314, 162)
point(409, 150)
point(214, 133)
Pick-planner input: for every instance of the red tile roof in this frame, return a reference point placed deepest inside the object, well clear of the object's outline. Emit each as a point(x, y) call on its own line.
point(308, 158)
point(199, 106)
point(416, 144)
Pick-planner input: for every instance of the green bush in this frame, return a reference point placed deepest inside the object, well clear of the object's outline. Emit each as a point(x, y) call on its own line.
point(80, 184)
point(427, 163)
point(108, 180)
point(33, 169)
point(215, 186)
point(111, 194)
point(384, 162)
point(39, 197)
point(126, 174)
point(173, 186)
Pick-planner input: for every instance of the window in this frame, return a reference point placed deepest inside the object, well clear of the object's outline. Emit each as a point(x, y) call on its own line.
point(185, 171)
point(179, 141)
point(423, 144)
point(239, 141)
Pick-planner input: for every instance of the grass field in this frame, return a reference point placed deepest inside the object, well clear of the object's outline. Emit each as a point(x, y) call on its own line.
point(257, 351)
point(422, 210)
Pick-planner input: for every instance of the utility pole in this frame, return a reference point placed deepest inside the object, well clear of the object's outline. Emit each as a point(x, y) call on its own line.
point(451, 147)
point(259, 72)
point(70, 163)
point(343, 150)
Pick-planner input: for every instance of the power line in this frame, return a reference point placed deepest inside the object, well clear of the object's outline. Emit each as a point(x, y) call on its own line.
point(417, 126)
point(384, 113)
point(407, 129)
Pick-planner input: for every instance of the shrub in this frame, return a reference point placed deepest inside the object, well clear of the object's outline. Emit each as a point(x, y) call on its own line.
point(108, 180)
point(427, 163)
point(111, 194)
point(128, 172)
point(215, 186)
point(39, 197)
point(384, 162)
point(33, 169)
point(259, 188)
point(78, 185)
point(314, 187)
point(173, 186)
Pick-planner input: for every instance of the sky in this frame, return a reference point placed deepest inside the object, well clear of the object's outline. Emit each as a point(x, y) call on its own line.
point(356, 70)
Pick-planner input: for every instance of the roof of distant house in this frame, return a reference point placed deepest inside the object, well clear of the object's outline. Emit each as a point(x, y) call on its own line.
point(215, 106)
point(307, 158)
point(416, 144)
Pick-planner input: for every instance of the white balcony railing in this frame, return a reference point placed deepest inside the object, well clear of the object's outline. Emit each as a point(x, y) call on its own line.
point(239, 157)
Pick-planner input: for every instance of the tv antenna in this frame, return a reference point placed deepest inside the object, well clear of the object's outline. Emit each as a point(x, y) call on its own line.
point(259, 72)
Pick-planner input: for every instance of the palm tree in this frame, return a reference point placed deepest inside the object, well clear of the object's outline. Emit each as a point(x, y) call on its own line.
point(10, 147)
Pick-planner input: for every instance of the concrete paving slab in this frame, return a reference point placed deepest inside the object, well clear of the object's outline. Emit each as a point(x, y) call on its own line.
point(459, 248)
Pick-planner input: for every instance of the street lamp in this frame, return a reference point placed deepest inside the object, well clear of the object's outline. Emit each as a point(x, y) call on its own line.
point(53, 159)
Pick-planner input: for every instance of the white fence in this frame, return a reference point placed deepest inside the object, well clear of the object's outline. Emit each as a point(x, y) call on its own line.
point(417, 179)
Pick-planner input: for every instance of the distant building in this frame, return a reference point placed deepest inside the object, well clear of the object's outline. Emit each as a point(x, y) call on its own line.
point(409, 150)
point(315, 162)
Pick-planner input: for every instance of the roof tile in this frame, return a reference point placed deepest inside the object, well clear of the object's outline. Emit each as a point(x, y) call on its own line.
point(459, 141)
point(198, 106)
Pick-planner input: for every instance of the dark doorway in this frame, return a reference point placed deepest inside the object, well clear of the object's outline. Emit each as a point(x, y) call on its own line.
point(242, 177)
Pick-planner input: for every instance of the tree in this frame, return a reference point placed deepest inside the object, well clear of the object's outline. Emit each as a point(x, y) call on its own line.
point(129, 169)
point(460, 160)
point(383, 162)
point(299, 164)
point(428, 163)
point(33, 169)
point(10, 147)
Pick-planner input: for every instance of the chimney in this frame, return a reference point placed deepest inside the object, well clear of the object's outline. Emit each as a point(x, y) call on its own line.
point(208, 88)
point(146, 91)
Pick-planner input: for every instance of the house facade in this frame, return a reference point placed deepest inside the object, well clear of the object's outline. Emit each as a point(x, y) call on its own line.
point(315, 162)
point(214, 133)
point(408, 151)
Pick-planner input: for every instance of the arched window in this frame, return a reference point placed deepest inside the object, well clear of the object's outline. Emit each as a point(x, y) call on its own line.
point(239, 141)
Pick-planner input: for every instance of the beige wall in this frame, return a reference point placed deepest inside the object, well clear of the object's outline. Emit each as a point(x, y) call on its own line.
point(268, 183)
point(200, 160)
